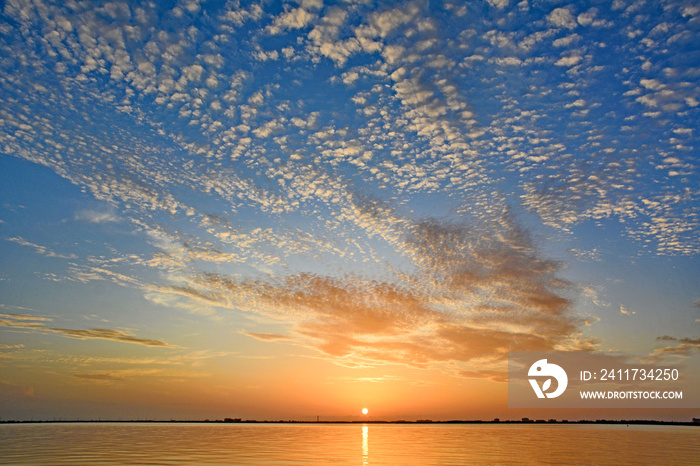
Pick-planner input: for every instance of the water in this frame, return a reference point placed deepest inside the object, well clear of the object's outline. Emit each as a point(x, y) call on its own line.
point(288, 444)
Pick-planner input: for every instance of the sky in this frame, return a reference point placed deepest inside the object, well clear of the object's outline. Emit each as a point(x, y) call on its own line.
point(283, 210)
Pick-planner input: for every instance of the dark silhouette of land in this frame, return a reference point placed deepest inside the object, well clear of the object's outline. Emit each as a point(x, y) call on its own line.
point(228, 420)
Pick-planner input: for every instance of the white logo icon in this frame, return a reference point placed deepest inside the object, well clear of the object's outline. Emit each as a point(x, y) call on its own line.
point(542, 368)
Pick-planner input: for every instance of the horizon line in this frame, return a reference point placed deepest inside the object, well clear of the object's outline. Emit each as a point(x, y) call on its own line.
point(693, 422)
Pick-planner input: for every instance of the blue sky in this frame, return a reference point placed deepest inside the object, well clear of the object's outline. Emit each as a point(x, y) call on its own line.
point(370, 185)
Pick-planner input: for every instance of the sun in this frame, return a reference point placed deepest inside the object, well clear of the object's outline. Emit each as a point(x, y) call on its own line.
point(365, 410)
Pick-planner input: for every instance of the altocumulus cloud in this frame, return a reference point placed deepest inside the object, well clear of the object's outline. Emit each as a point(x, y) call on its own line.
point(247, 185)
point(475, 293)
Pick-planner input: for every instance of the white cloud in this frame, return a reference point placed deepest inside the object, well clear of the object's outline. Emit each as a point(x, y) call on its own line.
point(97, 216)
point(508, 61)
point(577, 103)
point(585, 19)
point(562, 17)
point(295, 19)
point(569, 60)
point(500, 4)
point(193, 72)
point(566, 41)
point(383, 23)
point(239, 16)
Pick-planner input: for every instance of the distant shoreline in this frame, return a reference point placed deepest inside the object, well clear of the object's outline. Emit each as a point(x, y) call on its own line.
point(694, 422)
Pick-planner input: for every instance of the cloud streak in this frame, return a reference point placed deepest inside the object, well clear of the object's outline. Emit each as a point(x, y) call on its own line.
point(32, 323)
point(678, 345)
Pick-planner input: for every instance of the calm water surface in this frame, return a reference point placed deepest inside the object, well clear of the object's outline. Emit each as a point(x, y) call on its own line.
point(250, 444)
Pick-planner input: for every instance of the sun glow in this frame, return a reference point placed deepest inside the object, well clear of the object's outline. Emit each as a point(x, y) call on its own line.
point(365, 411)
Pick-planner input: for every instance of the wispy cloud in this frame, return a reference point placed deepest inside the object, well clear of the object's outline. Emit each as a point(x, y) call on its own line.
point(97, 216)
point(24, 317)
point(108, 376)
point(262, 336)
point(5, 347)
point(32, 323)
point(43, 250)
point(99, 376)
point(493, 375)
point(108, 334)
point(678, 345)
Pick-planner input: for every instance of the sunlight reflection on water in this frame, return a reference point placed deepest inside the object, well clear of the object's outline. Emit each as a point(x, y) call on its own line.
point(365, 446)
point(173, 443)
